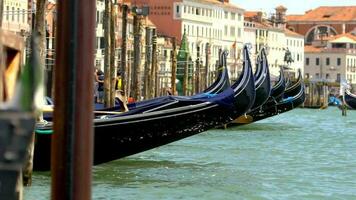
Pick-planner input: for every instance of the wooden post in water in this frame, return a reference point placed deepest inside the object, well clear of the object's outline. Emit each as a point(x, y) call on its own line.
point(197, 72)
point(147, 63)
point(72, 141)
point(2, 65)
point(154, 64)
point(185, 77)
point(40, 30)
point(112, 55)
point(124, 69)
point(207, 52)
point(174, 66)
point(107, 81)
point(137, 58)
point(129, 73)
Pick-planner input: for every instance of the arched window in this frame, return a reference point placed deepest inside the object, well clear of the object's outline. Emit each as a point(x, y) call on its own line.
point(319, 32)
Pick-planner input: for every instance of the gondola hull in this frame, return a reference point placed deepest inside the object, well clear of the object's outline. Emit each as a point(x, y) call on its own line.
point(273, 107)
point(350, 100)
point(117, 137)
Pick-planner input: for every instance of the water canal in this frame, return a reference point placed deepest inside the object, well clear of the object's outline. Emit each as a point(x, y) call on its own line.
point(303, 154)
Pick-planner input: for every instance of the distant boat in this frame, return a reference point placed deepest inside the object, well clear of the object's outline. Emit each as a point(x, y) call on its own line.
point(334, 101)
point(119, 136)
point(350, 99)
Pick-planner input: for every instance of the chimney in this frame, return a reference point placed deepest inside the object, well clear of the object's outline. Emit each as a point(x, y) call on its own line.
point(280, 15)
point(259, 16)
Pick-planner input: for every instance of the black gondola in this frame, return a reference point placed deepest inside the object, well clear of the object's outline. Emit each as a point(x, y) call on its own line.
point(294, 88)
point(350, 99)
point(120, 136)
point(272, 108)
point(262, 81)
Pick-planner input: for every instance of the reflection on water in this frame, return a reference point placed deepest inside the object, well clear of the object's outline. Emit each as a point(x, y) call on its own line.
point(303, 154)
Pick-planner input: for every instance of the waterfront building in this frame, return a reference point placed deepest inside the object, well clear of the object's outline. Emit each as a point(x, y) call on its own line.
point(15, 16)
point(164, 62)
point(295, 45)
point(332, 61)
point(99, 32)
point(272, 34)
point(323, 21)
point(216, 24)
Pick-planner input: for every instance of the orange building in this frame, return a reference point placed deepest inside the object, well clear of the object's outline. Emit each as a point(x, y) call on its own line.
point(323, 22)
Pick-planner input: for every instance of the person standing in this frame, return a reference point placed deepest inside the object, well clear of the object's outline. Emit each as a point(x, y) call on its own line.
point(96, 85)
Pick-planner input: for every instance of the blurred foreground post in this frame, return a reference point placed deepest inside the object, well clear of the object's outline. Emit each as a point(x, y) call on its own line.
point(72, 141)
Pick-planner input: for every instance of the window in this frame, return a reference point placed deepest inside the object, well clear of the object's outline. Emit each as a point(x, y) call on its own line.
point(327, 76)
point(226, 15)
point(18, 14)
point(232, 31)
point(317, 75)
point(298, 57)
point(23, 15)
point(328, 61)
point(102, 43)
point(184, 9)
point(239, 32)
point(307, 61)
point(225, 30)
point(233, 16)
point(13, 14)
point(316, 61)
point(7, 12)
point(197, 11)
point(338, 61)
point(239, 17)
point(165, 53)
point(338, 77)
point(307, 75)
point(177, 8)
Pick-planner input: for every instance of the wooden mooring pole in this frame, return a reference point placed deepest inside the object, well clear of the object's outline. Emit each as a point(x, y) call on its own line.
point(124, 49)
point(174, 66)
point(72, 141)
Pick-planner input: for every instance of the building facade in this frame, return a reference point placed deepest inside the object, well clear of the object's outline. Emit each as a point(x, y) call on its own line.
point(335, 62)
point(213, 23)
point(272, 35)
point(322, 22)
point(15, 16)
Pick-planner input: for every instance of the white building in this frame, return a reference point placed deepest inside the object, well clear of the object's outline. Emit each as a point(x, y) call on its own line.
point(99, 40)
point(276, 39)
point(334, 63)
point(249, 37)
point(15, 16)
point(219, 25)
point(295, 44)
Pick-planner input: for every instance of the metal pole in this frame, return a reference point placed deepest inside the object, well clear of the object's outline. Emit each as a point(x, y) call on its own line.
point(72, 141)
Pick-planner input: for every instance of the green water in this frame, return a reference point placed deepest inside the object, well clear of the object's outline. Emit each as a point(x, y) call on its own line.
point(303, 154)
